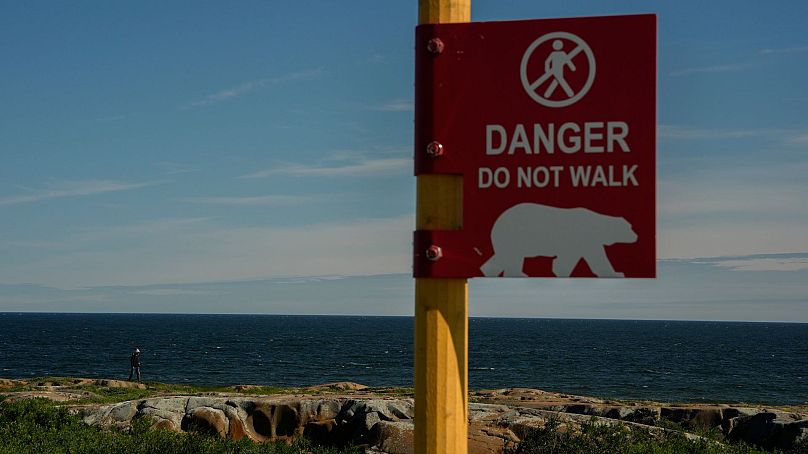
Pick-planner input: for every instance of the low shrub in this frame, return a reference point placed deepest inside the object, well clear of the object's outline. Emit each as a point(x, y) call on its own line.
point(596, 438)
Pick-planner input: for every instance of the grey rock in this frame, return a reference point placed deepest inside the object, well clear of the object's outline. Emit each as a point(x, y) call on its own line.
point(124, 411)
point(168, 404)
point(385, 424)
point(394, 437)
point(769, 430)
point(194, 402)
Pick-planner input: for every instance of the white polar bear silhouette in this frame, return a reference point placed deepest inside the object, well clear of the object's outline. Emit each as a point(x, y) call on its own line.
point(567, 234)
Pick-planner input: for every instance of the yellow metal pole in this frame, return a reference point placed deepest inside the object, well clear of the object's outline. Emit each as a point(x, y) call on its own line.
point(441, 305)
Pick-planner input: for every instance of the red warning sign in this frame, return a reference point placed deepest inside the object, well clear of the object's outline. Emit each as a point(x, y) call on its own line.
point(552, 124)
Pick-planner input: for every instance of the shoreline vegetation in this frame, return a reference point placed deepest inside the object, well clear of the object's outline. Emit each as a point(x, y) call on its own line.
point(77, 415)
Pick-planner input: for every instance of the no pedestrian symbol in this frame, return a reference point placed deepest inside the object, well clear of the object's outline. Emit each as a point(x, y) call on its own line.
point(552, 88)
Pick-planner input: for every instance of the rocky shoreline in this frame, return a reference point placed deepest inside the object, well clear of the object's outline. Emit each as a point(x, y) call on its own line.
point(381, 419)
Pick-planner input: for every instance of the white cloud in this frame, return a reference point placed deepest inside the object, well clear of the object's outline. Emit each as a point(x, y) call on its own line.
point(711, 69)
point(741, 210)
point(251, 200)
point(38, 244)
point(73, 189)
point(253, 85)
point(66, 301)
point(397, 105)
point(724, 197)
point(368, 167)
point(714, 239)
point(202, 252)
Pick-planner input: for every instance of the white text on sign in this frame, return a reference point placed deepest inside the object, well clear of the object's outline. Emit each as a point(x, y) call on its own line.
point(569, 137)
point(550, 176)
point(591, 137)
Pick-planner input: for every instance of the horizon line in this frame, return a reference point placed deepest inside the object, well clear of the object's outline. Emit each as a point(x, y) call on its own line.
point(403, 316)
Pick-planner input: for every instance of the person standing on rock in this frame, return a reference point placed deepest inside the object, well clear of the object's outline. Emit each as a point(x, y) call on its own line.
point(134, 362)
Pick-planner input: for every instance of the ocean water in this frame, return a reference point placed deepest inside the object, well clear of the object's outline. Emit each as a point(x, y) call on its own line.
point(658, 360)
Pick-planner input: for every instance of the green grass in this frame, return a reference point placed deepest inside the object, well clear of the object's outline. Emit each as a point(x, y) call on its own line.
point(103, 395)
point(595, 438)
point(37, 383)
point(167, 388)
point(38, 426)
point(97, 394)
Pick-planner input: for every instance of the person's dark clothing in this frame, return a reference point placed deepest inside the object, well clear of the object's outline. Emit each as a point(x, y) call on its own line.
point(134, 361)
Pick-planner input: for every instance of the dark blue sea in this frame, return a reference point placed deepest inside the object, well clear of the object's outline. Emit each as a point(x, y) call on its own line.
point(658, 360)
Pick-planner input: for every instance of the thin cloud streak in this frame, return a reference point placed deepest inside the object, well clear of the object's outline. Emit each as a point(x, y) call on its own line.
point(800, 140)
point(250, 200)
point(375, 167)
point(688, 133)
point(764, 264)
point(74, 189)
point(174, 168)
point(785, 50)
point(110, 119)
point(170, 292)
point(710, 69)
point(254, 85)
point(397, 105)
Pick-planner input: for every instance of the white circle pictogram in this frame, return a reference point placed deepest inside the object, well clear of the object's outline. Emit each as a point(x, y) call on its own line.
point(555, 64)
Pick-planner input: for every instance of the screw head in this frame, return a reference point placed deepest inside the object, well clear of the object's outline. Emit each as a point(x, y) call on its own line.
point(433, 253)
point(434, 149)
point(435, 46)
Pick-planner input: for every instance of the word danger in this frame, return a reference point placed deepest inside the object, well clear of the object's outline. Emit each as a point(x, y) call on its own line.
point(569, 138)
point(553, 176)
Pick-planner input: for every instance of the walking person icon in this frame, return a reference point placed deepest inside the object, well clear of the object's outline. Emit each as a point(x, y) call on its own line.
point(557, 63)
point(554, 66)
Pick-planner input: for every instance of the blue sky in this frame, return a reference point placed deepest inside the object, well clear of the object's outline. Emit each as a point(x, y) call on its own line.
point(194, 156)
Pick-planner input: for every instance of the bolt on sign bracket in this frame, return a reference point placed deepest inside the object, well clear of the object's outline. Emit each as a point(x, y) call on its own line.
point(450, 259)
